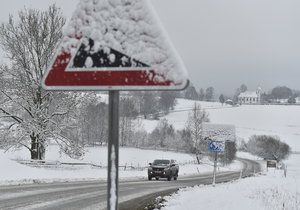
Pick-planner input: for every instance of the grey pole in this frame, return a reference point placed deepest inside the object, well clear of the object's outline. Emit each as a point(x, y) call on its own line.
point(113, 151)
point(215, 169)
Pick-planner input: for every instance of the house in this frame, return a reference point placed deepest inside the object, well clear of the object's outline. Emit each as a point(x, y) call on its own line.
point(229, 102)
point(250, 97)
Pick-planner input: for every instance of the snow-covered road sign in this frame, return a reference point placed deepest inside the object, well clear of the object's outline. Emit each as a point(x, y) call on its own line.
point(216, 146)
point(115, 45)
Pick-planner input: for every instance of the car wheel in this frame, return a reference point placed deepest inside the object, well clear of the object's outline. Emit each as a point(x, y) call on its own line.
point(157, 178)
point(169, 178)
point(175, 177)
point(149, 178)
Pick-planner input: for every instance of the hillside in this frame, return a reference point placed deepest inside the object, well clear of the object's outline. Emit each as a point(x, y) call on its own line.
point(279, 120)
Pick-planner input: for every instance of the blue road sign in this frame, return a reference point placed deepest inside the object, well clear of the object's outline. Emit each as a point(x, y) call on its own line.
point(216, 146)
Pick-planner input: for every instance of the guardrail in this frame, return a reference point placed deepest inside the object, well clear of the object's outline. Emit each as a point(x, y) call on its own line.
point(55, 164)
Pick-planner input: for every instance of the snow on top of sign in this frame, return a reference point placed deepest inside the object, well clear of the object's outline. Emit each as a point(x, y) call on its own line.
point(219, 132)
point(128, 26)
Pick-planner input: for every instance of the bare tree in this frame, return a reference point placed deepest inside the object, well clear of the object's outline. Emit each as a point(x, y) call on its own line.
point(139, 138)
point(148, 104)
point(243, 88)
point(127, 129)
point(128, 113)
point(93, 124)
point(167, 101)
point(191, 93)
point(166, 131)
point(222, 99)
point(194, 127)
point(201, 94)
point(209, 93)
point(31, 114)
point(161, 134)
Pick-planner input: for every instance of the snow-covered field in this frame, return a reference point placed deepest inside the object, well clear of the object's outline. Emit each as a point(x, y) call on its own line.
point(15, 172)
point(249, 120)
point(279, 120)
point(271, 191)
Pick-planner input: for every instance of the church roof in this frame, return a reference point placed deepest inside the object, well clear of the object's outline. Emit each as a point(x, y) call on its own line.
point(248, 94)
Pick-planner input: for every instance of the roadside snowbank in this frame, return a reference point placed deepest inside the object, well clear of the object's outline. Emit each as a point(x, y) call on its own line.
point(271, 191)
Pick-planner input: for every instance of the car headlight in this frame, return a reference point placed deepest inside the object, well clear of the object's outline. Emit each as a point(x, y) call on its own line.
point(150, 168)
point(167, 168)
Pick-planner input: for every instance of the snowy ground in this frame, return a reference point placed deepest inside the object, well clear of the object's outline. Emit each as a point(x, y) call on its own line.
point(279, 120)
point(270, 191)
point(249, 120)
point(16, 173)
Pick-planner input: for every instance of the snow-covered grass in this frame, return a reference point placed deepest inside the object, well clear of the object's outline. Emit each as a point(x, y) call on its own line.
point(15, 172)
point(248, 119)
point(98, 156)
point(247, 155)
point(279, 120)
point(271, 191)
point(268, 191)
point(179, 115)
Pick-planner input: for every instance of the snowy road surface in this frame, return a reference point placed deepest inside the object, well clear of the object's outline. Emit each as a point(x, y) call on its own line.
point(92, 194)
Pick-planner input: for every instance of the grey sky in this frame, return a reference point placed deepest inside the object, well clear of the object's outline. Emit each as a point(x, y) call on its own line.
point(223, 43)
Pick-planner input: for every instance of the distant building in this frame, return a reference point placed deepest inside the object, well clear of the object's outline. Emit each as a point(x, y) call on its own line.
point(229, 102)
point(250, 97)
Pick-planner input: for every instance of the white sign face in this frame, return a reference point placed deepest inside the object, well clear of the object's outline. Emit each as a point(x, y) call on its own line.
point(115, 45)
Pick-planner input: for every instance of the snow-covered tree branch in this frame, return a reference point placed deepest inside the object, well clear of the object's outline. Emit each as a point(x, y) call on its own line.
point(32, 115)
point(194, 127)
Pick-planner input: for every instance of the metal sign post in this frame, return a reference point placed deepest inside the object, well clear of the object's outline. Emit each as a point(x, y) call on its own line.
point(215, 168)
point(216, 146)
point(113, 151)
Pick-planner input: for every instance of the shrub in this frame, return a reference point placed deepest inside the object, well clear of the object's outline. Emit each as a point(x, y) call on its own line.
point(268, 147)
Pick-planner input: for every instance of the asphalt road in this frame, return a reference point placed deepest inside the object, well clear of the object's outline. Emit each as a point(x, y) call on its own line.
point(92, 194)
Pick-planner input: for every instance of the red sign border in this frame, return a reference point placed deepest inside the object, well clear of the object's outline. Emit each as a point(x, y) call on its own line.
point(67, 74)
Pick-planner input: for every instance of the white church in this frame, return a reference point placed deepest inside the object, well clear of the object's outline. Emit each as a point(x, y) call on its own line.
point(250, 97)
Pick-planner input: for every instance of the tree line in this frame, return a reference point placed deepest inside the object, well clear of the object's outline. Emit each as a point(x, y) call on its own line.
point(273, 96)
point(191, 93)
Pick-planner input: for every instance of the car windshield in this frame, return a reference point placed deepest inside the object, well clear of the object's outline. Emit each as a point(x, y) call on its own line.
point(161, 162)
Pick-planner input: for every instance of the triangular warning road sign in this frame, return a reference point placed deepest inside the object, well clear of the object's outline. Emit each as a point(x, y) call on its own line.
point(115, 45)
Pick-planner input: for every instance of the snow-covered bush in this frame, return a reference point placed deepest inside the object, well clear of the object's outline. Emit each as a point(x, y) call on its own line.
point(268, 147)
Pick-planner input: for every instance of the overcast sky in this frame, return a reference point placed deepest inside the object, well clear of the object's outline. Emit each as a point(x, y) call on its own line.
point(222, 43)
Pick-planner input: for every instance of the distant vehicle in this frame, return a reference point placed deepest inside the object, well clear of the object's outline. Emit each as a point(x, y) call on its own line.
point(163, 169)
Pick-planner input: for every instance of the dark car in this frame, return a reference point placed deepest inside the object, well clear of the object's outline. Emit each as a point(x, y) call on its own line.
point(163, 169)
